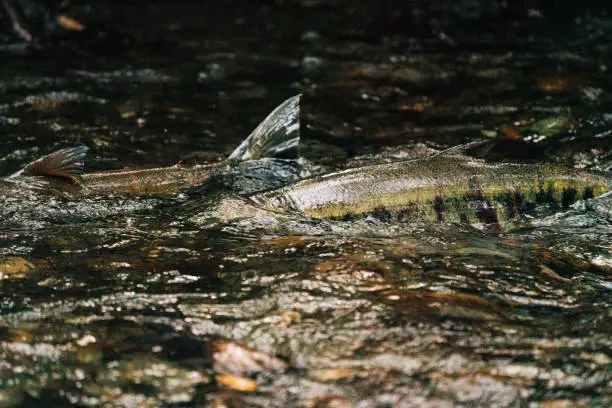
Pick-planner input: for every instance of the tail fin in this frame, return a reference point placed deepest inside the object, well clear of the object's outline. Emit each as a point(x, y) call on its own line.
point(66, 163)
point(278, 135)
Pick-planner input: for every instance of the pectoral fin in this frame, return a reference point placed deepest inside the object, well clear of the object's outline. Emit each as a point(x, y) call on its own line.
point(278, 135)
point(66, 163)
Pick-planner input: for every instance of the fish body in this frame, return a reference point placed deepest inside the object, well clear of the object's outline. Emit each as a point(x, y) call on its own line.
point(60, 174)
point(449, 186)
point(144, 182)
point(147, 182)
point(444, 187)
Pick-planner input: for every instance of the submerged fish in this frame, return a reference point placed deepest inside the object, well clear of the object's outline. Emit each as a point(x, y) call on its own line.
point(448, 186)
point(264, 156)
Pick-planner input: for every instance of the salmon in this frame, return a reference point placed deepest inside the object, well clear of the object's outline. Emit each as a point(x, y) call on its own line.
point(273, 143)
point(449, 186)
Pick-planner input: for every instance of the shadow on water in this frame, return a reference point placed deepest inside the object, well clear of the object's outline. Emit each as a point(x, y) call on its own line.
point(202, 299)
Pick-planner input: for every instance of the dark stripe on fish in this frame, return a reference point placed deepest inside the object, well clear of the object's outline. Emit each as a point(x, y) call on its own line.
point(515, 204)
point(545, 197)
point(510, 207)
point(487, 214)
point(439, 207)
point(483, 210)
point(568, 197)
point(519, 202)
point(382, 214)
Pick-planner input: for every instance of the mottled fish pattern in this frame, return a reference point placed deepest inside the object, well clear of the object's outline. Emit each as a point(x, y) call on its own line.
point(60, 173)
point(444, 187)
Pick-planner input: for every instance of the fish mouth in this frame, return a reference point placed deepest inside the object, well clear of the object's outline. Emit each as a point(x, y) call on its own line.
point(281, 203)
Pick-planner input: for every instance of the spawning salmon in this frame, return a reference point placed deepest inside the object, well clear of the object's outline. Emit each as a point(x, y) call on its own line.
point(60, 174)
point(449, 186)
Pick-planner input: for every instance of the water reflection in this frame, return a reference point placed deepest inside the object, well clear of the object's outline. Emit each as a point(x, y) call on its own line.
point(180, 302)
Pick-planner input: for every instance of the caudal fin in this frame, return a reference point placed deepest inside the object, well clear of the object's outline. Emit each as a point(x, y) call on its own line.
point(278, 135)
point(66, 163)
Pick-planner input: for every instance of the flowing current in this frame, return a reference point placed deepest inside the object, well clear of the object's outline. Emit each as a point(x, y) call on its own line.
point(175, 301)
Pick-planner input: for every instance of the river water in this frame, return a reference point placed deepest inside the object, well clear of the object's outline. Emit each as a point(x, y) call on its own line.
point(147, 302)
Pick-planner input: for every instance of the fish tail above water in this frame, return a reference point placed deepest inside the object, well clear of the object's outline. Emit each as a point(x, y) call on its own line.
point(277, 136)
point(262, 155)
point(68, 163)
point(266, 159)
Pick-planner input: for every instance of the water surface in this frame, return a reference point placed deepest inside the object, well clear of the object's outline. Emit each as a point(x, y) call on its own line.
point(146, 302)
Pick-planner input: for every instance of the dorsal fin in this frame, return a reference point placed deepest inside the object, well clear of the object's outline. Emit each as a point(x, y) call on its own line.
point(278, 135)
point(478, 148)
point(65, 163)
